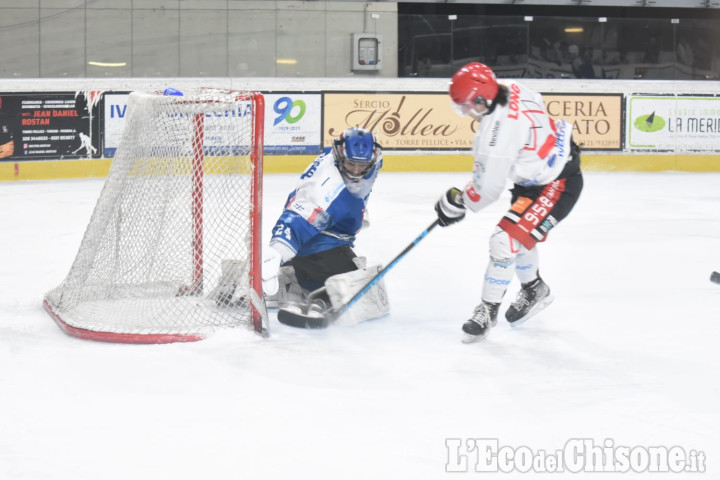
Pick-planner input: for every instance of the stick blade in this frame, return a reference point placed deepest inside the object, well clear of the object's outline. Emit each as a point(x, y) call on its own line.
point(298, 320)
point(715, 277)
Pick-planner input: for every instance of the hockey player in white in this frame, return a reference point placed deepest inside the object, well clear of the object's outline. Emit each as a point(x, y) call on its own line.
point(314, 237)
point(515, 140)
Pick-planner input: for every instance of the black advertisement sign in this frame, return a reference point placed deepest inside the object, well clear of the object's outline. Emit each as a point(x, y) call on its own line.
point(49, 125)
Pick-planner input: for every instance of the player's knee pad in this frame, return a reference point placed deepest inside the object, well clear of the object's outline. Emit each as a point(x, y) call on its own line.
point(503, 248)
point(343, 287)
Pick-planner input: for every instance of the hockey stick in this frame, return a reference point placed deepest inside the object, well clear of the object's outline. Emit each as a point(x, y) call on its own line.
point(715, 277)
point(305, 321)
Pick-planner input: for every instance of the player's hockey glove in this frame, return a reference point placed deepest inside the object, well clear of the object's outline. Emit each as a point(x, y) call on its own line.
point(450, 208)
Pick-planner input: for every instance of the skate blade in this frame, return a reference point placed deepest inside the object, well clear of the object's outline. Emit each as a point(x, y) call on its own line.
point(298, 320)
point(467, 338)
point(534, 311)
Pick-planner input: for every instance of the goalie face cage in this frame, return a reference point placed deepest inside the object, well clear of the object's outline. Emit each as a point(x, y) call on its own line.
point(176, 229)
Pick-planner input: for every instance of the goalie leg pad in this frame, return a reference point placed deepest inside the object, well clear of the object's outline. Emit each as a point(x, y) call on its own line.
point(289, 292)
point(343, 287)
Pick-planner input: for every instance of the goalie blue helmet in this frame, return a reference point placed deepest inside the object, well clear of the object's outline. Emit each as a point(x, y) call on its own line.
point(356, 153)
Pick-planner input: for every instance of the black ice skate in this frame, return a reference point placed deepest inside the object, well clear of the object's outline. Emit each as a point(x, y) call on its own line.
point(532, 298)
point(483, 319)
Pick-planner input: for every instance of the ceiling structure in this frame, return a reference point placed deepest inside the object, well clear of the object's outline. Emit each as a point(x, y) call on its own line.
point(586, 3)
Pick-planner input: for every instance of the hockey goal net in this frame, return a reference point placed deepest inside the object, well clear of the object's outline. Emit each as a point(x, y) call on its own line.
point(177, 224)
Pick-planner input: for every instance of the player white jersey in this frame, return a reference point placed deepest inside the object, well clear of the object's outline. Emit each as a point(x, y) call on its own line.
point(518, 141)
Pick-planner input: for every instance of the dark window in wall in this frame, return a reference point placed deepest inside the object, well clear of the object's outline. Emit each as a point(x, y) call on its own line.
point(560, 42)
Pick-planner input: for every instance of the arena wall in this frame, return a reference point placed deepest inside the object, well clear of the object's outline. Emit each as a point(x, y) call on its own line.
point(622, 125)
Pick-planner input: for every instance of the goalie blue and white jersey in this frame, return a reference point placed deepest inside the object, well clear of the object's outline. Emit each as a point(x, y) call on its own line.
point(324, 211)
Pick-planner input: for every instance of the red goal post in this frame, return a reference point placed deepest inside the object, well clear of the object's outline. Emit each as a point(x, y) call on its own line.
point(172, 251)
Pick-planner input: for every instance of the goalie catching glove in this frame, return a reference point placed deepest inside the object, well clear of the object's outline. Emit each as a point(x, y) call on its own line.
point(450, 208)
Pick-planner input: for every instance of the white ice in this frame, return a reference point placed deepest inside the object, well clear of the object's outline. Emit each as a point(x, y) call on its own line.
point(626, 356)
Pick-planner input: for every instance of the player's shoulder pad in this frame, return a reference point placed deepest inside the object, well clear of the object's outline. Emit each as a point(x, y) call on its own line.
point(320, 184)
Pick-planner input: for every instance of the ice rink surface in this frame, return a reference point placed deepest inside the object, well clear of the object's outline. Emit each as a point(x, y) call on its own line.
point(626, 357)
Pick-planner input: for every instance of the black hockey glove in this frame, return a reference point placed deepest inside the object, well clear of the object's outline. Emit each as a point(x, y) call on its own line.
point(450, 208)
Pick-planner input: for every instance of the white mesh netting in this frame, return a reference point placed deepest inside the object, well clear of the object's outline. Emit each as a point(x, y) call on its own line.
point(176, 227)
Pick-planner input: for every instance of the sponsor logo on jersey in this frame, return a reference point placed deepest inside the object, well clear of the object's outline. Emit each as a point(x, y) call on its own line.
point(547, 224)
point(528, 183)
point(560, 141)
point(332, 195)
point(494, 132)
point(521, 204)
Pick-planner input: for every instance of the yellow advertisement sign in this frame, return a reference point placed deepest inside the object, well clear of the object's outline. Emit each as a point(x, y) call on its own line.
point(405, 121)
point(426, 121)
point(597, 119)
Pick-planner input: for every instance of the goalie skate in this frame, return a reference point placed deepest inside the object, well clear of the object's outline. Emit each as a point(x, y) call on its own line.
point(314, 315)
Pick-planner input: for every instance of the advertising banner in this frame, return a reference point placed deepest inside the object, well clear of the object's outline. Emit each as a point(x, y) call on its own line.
point(62, 125)
point(115, 111)
point(426, 121)
point(597, 119)
point(673, 123)
point(292, 123)
point(400, 121)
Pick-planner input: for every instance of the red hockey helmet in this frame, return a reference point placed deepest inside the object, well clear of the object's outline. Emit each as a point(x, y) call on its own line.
point(472, 86)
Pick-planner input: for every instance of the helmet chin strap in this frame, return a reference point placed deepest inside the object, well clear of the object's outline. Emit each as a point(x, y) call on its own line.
point(478, 114)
